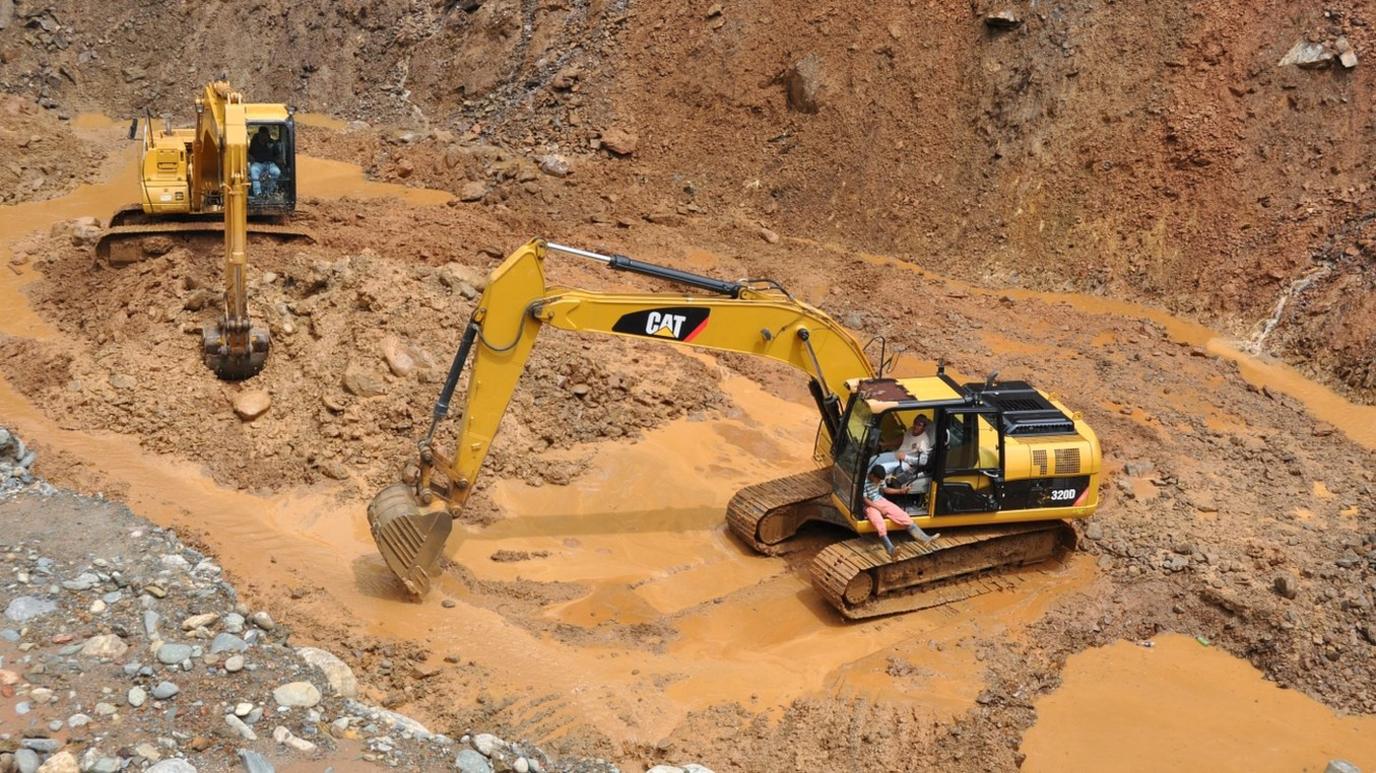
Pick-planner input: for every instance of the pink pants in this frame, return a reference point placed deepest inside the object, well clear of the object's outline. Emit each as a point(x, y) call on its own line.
point(880, 509)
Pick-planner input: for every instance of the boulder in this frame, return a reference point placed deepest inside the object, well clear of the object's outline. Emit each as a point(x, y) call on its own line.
point(337, 673)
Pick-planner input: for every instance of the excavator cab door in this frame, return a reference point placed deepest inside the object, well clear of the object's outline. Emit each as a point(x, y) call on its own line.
point(969, 468)
point(272, 167)
point(855, 445)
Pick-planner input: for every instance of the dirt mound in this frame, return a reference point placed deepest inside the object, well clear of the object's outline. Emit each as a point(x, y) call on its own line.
point(40, 157)
point(362, 342)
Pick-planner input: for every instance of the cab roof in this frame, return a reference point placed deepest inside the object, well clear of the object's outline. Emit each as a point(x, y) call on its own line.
point(1023, 409)
point(882, 394)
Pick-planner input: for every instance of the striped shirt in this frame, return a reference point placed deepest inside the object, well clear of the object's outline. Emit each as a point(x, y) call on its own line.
point(872, 491)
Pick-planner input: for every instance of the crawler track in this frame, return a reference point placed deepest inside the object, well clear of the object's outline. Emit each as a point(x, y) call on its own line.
point(766, 514)
point(860, 579)
point(130, 224)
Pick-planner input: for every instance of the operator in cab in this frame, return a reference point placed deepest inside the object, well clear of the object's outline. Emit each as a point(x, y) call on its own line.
point(262, 157)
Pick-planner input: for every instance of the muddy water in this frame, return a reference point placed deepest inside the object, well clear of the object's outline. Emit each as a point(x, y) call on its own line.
point(1358, 422)
point(641, 532)
point(1182, 706)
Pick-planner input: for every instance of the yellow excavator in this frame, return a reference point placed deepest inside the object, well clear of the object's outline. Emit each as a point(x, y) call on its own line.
point(1008, 468)
point(200, 180)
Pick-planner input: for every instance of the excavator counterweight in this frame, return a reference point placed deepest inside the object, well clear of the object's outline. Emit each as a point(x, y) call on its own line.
point(1010, 466)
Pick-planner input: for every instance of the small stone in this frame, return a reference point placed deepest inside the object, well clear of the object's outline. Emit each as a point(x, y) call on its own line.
point(234, 664)
point(285, 737)
point(172, 766)
point(227, 642)
point(199, 621)
point(399, 360)
point(620, 141)
point(1310, 56)
point(555, 165)
point(105, 709)
point(255, 762)
point(769, 236)
point(1348, 59)
point(487, 743)
point(78, 720)
point(84, 581)
point(1003, 20)
point(107, 646)
point(252, 403)
point(25, 608)
point(804, 85)
point(164, 690)
point(1286, 585)
point(233, 622)
point(470, 761)
point(303, 694)
point(171, 654)
point(1341, 766)
point(157, 592)
point(361, 382)
point(27, 760)
point(263, 620)
point(62, 762)
point(237, 725)
point(97, 607)
point(137, 696)
point(473, 191)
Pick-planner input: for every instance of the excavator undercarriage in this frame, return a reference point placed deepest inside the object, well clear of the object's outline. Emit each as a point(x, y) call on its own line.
point(860, 579)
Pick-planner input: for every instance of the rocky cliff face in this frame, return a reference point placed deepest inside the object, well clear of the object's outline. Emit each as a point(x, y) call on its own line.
point(1146, 150)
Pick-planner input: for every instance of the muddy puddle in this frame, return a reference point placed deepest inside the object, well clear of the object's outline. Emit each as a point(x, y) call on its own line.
point(1178, 705)
point(666, 614)
point(1358, 422)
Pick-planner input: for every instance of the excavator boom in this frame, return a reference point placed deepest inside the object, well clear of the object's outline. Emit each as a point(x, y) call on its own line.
point(748, 317)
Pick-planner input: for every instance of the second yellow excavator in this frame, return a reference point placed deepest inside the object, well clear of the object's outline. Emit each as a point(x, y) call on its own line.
point(238, 162)
point(1008, 464)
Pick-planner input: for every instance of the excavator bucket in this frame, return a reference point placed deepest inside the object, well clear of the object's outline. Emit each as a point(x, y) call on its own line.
point(410, 539)
point(221, 356)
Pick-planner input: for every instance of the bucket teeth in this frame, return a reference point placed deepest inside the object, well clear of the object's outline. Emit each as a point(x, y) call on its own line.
point(410, 539)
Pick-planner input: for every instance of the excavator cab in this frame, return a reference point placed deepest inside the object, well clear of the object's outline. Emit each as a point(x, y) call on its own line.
point(271, 166)
point(995, 445)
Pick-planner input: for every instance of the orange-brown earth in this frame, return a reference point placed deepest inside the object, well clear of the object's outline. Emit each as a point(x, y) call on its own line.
point(1124, 151)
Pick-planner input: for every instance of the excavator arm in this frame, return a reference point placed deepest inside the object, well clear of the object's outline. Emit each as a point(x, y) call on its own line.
point(232, 347)
point(757, 318)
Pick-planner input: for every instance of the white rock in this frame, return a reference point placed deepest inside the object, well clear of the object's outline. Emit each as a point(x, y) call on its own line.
point(486, 743)
point(302, 694)
point(137, 696)
point(104, 646)
point(243, 709)
point(284, 736)
point(234, 663)
point(198, 621)
point(336, 671)
point(239, 727)
point(62, 762)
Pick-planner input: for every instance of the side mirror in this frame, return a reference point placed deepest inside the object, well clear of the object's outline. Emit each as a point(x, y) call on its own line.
point(133, 127)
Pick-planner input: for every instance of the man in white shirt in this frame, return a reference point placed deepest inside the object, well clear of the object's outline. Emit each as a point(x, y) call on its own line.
point(918, 443)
